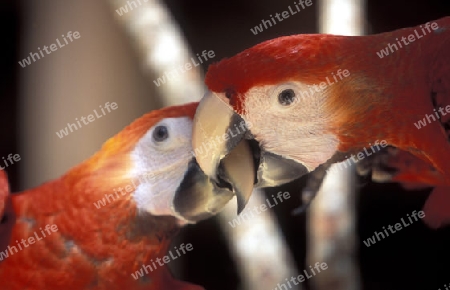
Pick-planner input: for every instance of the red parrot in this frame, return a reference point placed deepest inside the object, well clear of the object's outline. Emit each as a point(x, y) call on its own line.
point(106, 218)
point(394, 165)
point(7, 217)
point(317, 99)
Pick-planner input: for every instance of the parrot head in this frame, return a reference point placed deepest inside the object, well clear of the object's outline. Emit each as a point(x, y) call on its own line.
point(268, 88)
point(158, 146)
point(304, 110)
point(116, 211)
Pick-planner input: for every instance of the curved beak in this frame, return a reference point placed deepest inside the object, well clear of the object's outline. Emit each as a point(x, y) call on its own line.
point(199, 197)
point(221, 137)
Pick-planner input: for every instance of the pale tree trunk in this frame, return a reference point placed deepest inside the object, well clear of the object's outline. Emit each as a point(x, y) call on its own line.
point(332, 217)
point(257, 246)
point(260, 251)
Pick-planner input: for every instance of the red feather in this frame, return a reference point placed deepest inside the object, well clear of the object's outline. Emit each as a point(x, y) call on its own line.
point(382, 99)
point(93, 248)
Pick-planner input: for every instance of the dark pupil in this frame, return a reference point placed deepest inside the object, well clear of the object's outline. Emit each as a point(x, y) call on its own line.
point(286, 97)
point(161, 133)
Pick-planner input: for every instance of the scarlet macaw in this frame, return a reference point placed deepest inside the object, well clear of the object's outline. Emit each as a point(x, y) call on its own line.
point(315, 99)
point(114, 213)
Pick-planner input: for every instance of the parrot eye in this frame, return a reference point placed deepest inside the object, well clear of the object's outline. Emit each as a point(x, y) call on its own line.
point(160, 133)
point(229, 93)
point(286, 97)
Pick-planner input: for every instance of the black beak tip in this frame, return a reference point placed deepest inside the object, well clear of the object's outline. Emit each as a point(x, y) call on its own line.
point(240, 204)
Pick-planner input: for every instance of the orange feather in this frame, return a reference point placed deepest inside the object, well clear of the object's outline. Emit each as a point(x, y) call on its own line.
point(382, 99)
point(93, 248)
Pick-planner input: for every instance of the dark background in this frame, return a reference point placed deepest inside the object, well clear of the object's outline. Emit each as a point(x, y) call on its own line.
point(417, 258)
